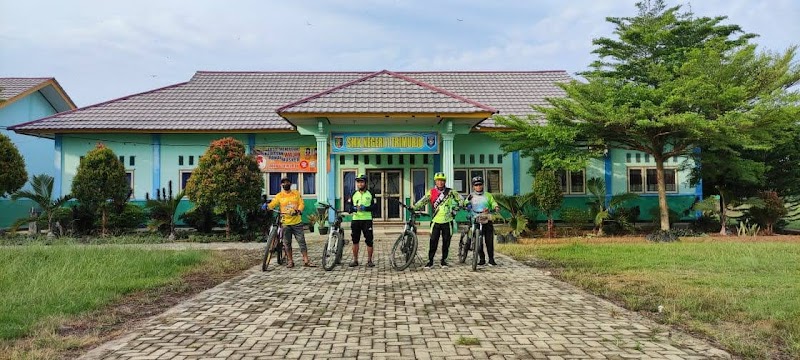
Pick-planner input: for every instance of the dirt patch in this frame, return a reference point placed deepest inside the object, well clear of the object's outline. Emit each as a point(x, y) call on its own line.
point(68, 338)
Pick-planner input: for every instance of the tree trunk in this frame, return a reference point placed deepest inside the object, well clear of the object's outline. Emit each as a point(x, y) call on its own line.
point(550, 225)
point(228, 225)
point(103, 223)
point(662, 193)
point(723, 214)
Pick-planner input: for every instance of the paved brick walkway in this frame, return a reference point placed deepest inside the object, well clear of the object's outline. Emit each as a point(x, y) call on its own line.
point(514, 311)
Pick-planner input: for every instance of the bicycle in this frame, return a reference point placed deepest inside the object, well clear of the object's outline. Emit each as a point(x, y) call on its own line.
point(405, 247)
point(335, 244)
point(274, 235)
point(472, 239)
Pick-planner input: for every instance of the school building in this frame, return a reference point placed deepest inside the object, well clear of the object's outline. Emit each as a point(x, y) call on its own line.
point(321, 129)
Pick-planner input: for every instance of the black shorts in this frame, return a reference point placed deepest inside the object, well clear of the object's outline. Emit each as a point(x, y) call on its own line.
point(362, 226)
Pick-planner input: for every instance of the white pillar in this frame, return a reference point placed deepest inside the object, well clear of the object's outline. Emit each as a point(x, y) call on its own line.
point(447, 156)
point(322, 168)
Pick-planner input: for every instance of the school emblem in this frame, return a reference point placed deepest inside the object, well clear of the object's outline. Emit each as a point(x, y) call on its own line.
point(431, 140)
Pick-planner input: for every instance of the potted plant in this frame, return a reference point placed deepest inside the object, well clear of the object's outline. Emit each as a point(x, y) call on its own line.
point(312, 220)
point(322, 224)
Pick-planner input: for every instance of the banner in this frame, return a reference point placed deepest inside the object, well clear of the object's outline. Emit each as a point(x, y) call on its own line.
point(385, 143)
point(286, 158)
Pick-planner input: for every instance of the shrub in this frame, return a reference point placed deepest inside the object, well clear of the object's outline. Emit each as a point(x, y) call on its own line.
point(671, 235)
point(100, 183)
point(201, 219)
point(162, 211)
point(768, 213)
point(225, 180)
point(13, 175)
point(128, 218)
point(621, 221)
point(576, 217)
point(705, 224)
point(655, 214)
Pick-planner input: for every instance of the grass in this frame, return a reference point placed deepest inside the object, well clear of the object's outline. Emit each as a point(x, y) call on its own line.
point(69, 336)
point(46, 281)
point(132, 238)
point(462, 340)
point(744, 295)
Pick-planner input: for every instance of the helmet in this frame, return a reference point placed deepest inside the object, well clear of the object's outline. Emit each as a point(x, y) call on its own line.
point(439, 176)
point(477, 180)
point(285, 180)
point(361, 177)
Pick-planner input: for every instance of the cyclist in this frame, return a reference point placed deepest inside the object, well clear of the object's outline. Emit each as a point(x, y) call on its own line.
point(361, 204)
point(444, 201)
point(291, 204)
point(480, 202)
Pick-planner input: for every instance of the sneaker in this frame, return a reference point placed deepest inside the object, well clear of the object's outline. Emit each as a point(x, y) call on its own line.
point(481, 263)
point(370, 264)
point(444, 264)
point(429, 265)
point(354, 263)
point(492, 263)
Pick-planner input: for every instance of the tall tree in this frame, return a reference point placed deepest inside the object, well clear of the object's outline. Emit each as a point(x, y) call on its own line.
point(548, 196)
point(226, 179)
point(100, 182)
point(14, 175)
point(666, 84)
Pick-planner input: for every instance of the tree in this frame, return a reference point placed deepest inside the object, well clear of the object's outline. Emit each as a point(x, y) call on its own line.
point(42, 195)
point(769, 210)
point(14, 175)
point(100, 183)
point(547, 192)
point(163, 211)
point(225, 179)
point(601, 210)
point(667, 84)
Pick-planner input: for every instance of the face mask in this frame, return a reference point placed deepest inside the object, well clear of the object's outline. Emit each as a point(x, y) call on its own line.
point(286, 186)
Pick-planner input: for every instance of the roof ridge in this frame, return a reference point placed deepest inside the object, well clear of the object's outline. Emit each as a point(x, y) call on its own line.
point(392, 74)
point(14, 127)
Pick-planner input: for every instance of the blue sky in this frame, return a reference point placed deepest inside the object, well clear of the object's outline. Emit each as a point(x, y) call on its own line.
point(99, 50)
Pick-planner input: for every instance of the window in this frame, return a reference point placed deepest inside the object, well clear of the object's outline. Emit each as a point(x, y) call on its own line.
point(645, 180)
point(491, 158)
point(122, 160)
point(389, 159)
point(425, 159)
point(492, 180)
point(378, 159)
point(180, 160)
point(499, 158)
point(401, 159)
point(129, 178)
point(191, 160)
point(341, 159)
point(306, 183)
point(185, 175)
point(419, 178)
point(462, 159)
point(481, 158)
point(366, 159)
point(132, 160)
point(572, 182)
point(472, 158)
point(348, 186)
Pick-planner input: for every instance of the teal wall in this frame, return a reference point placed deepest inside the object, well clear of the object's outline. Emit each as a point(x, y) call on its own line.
point(37, 152)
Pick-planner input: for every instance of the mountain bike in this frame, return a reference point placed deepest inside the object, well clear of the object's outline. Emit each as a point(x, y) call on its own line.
point(274, 237)
point(405, 247)
point(472, 239)
point(332, 251)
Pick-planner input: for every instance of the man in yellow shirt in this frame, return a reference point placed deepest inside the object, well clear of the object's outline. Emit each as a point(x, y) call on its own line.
point(291, 204)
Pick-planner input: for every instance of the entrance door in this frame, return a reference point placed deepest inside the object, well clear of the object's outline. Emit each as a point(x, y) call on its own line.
point(386, 187)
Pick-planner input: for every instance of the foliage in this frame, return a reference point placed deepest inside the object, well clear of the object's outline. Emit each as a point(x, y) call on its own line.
point(163, 211)
point(602, 212)
point(249, 224)
point(225, 179)
point(42, 195)
point(202, 219)
point(576, 216)
point(747, 229)
point(548, 196)
point(13, 176)
point(100, 182)
point(671, 235)
point(667, 83)
point(655, 213)
point(128, 217)
point(769, 212)
point(621, 221)
point(517, 205)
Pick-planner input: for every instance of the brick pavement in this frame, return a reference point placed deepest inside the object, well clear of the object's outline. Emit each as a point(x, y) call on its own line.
point(514, 311)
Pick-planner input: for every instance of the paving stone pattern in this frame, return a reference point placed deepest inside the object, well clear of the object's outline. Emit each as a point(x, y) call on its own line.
point(513, 311)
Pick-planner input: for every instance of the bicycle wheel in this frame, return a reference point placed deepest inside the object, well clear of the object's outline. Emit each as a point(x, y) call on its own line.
point(330, 251)
point(340, 248)
point(463, 248)
point(477, 251)
point(272, 243)
point(403, 251)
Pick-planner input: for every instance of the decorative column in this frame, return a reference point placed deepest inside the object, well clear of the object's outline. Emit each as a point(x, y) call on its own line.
point(322, 162)
point(157, 164)
point(58, 161)
point(609, 175)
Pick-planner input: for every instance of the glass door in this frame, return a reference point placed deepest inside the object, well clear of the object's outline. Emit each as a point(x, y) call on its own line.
point(375, 186)
point(387, 189)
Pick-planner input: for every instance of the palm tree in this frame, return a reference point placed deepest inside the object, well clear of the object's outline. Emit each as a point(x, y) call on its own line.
point(515, 204)
point(42, 195)
point(163, 211)
point(602, 211)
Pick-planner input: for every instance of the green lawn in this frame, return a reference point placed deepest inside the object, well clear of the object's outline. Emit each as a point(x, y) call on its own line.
point(745, 295)
point(37, 282)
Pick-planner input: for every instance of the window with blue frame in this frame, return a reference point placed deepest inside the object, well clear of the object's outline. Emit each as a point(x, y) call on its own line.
point(185, 175)
point(348, 186)
point(419, 178)
point(306, 183)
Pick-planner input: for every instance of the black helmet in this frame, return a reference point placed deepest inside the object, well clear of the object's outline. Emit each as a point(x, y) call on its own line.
point(477, 181)
point(361, 177)
point(286, 180)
